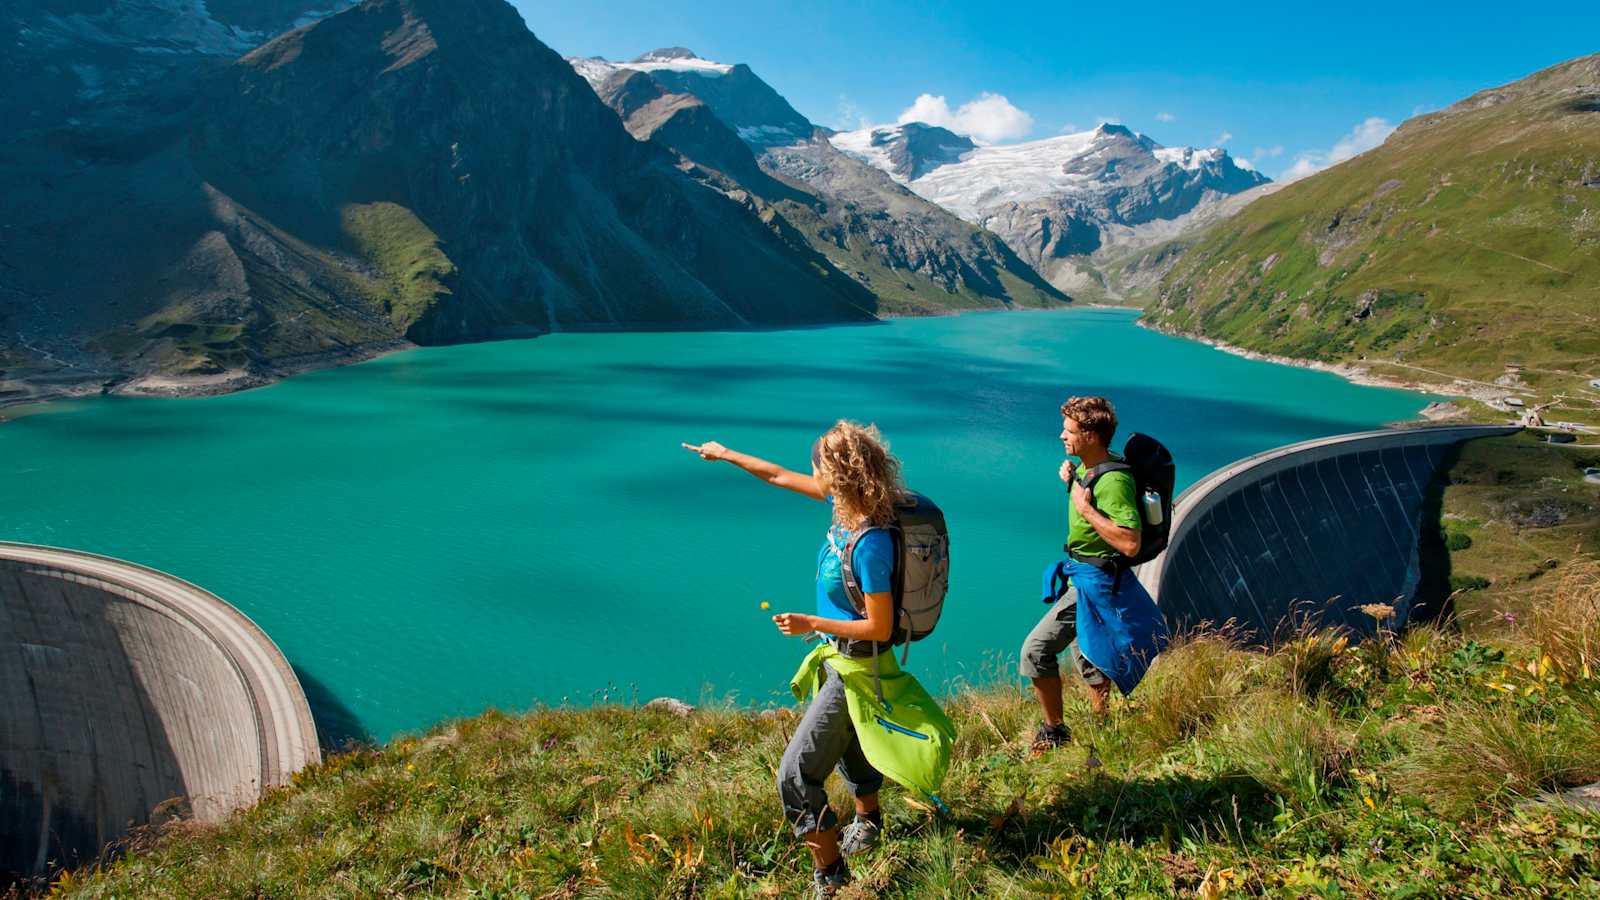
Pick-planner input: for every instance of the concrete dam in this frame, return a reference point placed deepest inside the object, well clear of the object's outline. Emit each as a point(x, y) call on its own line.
point(126, 690)
point(1309, 531)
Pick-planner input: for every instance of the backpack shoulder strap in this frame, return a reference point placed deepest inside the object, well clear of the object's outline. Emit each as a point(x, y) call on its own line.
point(1119, 564)
point(847, 555)
point(1111, 465)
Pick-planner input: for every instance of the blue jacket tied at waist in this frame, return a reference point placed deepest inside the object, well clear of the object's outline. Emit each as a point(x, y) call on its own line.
point(1119, 631)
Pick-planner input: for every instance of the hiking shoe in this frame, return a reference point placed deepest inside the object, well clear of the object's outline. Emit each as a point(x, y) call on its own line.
point(862, 834)
point(1051, 737)
point(825, 885)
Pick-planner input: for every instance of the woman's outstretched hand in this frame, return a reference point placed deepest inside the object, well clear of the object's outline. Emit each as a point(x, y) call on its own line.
point(709, 450)
point(792, 624)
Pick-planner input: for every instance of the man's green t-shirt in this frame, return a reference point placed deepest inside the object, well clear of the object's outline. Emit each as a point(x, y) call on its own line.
point(1115, 497)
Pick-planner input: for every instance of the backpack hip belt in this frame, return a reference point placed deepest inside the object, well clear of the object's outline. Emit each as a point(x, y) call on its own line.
point(1113, 566)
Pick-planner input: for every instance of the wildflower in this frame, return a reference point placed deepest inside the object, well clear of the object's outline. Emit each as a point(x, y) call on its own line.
point(1378, 611)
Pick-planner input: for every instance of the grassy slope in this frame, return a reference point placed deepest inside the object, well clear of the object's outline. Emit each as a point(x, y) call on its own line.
point(1133, 277)
point(1475, 230)
point(1321, 770)
point(1515, 506)
point(405, 251)
point(322, 305)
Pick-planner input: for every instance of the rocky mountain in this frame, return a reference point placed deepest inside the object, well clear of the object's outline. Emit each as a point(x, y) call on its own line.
point(1469, 239)
point(681, 123)
point(748, 105)
point(1069, 205)
point(95, 92)
point(96, 65)
point(404, 170)
point(913, 255)
point(907, 152)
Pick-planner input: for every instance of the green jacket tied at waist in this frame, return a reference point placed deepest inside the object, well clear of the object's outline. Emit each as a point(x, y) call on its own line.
point(907, 737)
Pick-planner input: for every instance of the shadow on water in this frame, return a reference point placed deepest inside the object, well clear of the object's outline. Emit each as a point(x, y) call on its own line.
point(999, 381)
point(337, 725)
point(596, 412)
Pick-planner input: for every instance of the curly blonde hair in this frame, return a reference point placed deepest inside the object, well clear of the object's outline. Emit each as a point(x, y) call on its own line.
point(855, 466)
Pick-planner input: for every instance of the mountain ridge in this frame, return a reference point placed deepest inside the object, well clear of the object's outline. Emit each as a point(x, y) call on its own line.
point(401, 171)
point(1467, 241)
point(915, 255)
point(1056, 201)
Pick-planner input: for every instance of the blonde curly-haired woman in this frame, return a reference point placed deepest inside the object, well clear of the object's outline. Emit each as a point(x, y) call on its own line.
point(853, 471)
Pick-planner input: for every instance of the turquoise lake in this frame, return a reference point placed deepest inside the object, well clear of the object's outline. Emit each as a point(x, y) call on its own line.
point(511, 524)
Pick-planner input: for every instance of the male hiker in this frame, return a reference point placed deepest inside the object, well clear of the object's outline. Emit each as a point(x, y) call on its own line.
point(1100, 610)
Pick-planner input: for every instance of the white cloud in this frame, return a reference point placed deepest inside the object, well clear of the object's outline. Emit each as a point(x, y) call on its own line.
point(990, 118)
point(1166, 117)
point(1362, 138)
point(1366, 135)
point(1302, 167)
point(1112, 119)
point(1222, 138)
point(848, 116)
point(1272, 152)
point(1243, 163)
point(1069, 128)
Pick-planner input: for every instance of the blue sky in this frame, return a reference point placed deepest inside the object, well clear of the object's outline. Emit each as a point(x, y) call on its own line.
point(1277, 84)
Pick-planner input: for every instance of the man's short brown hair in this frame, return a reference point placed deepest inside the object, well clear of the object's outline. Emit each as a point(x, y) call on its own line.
point(1093, 414)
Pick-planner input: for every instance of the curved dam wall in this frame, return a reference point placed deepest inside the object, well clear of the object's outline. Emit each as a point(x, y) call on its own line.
point(1311, 530)
point(121, 690)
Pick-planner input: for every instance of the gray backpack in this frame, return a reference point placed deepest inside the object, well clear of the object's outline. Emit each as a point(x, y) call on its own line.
point(921, 569)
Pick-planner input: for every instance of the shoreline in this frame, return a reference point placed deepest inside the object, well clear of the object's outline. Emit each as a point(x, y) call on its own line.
point(239, 380)
point(232, 381)
point(1456, 388)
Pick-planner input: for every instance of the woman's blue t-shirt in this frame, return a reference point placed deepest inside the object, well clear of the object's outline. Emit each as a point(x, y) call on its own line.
point(873, 563)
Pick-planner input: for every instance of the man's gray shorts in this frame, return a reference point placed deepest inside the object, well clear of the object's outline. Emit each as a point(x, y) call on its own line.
point(1057, 631)
point(824, 739)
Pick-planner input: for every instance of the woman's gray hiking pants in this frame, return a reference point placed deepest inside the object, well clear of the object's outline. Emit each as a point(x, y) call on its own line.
point(824, 739)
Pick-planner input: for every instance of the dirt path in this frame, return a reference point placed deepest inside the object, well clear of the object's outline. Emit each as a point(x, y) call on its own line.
point(1507, 253)
point(1447, 375)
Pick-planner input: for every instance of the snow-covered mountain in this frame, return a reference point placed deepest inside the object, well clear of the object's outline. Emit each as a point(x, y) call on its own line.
point(1104, 168)
point(1063, 203)
point(914, 255)
point(739, 98)
point(907, 152)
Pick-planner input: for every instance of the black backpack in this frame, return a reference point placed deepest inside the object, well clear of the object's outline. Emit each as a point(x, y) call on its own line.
point(1153, 472)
